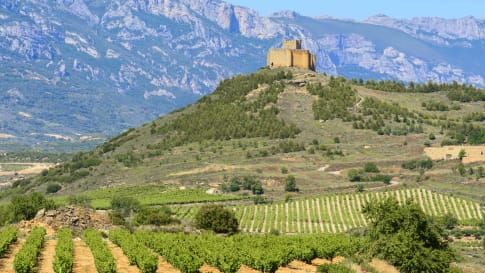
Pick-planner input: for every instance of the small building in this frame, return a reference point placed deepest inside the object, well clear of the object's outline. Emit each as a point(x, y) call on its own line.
point(291, 55)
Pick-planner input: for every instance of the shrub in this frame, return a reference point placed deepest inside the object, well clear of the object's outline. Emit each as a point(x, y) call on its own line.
point(290, 184)
point(284, 170)
point(53, 188)
point(371, 167)
point(155, 216)
point(126, 203)
point(25, 207)
point(79, 200)
point(216, 218)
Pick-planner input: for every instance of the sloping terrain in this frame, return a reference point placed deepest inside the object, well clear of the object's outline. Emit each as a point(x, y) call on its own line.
point(264, 127)
point(75, 73)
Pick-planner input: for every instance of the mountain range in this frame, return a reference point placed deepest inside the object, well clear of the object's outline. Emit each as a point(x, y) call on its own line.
point(78, 71)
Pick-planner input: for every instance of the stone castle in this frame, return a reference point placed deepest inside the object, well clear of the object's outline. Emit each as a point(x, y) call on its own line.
point(291, 55)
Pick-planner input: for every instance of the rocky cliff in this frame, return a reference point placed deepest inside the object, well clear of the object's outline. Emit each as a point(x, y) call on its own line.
point(78, 70)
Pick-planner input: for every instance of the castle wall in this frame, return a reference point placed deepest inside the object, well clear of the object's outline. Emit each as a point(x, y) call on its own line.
point(279, 58)
point(291, 55)
point(292, 44)
point(301, 58)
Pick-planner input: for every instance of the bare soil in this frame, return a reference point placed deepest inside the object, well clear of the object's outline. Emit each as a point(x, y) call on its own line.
point(6, 262)
point(46, 257)
point(83, 258)
point(247, 269)
point(205, 268)
point(383, 267)
point(164, 267)
point(122, 262)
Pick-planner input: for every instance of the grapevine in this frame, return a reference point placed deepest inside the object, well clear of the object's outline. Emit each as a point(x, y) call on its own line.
point(26, 258)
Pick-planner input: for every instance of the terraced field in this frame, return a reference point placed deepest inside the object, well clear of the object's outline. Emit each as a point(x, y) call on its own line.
point(339, 213)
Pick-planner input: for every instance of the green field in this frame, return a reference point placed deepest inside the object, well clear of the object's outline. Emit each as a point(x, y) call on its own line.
point(340, 212)
point(150, 195)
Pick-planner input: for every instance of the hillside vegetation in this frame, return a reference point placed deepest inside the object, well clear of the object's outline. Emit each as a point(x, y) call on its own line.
point(315, 127)
point(286, 152)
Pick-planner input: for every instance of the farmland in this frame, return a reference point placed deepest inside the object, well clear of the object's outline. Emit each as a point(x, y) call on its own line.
point(340, 212)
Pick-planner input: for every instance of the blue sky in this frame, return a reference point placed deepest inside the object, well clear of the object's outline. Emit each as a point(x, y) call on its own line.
point(361, 9)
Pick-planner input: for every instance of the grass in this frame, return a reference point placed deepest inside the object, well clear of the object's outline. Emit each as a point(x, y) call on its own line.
point(13, 167)
point(150, 195)
point(341, 212)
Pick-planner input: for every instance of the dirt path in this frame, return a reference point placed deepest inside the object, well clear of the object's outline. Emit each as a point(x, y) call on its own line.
point(246, 269)
point(265, 221)
point(83, 258)
point(330, 214)
point(122, 262)
point(383, 267)
point(164, 267)
point(340, 213)
point(252, 220)
point(319, 212)
point(287, 216)
point(6, 262)
point(298, 224)
point(297, 267)
point(309, 217)
point(205, 268)
point(241, 220)
point(46, 257)
point(30, 168)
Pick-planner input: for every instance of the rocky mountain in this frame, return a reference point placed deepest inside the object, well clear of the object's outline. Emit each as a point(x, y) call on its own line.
point(82, 70)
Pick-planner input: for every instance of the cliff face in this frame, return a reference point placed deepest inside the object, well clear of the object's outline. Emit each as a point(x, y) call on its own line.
point(77, 68)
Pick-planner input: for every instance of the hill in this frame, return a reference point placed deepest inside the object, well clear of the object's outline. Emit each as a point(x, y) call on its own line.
point(290, 152)
point(323, 131)
point(76, 73)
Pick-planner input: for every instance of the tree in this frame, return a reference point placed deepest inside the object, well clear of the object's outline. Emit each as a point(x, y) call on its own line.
point(25, 207)
point(216, 218)
point(125, 204)
point(290, 184)
point(406, 237)
point(461, 154)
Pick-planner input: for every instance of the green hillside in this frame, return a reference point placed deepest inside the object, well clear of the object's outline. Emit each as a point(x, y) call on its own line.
point(271, 124)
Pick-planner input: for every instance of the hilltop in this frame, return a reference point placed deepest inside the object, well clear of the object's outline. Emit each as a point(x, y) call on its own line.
point(76, 73)
point(274, 123)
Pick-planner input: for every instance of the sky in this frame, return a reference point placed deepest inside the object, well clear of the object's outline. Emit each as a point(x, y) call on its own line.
point(361, 9)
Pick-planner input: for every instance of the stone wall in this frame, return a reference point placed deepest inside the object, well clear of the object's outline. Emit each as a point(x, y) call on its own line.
point(281, 57)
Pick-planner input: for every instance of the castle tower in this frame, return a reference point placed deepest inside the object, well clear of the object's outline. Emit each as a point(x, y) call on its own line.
point(291, 55)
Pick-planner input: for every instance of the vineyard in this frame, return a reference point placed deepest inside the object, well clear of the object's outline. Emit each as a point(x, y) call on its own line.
point(338, 213)
point(149, 252)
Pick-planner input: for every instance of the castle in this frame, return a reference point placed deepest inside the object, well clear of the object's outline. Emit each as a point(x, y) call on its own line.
point(291, 55)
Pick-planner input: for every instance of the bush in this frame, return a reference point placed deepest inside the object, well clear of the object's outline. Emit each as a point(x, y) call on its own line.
point(125, 203)
point(53, 188)
point(216, 218)
point(79, 200)
point(155, 216)
point(290, 184)
point(25, 207)
point(371, 167)
point(418, 164)
point(284, 170)
point(405, 236)
point(355, 175)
